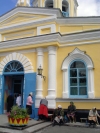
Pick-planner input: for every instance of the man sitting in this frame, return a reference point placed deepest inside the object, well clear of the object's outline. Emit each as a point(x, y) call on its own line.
point(93, 114)
point(71, 112)
point(59, 114)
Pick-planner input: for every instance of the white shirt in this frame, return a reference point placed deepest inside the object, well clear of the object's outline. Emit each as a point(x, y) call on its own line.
point(18, 100)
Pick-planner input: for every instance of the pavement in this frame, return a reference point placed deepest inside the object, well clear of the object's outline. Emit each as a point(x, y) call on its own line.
point(33, 126)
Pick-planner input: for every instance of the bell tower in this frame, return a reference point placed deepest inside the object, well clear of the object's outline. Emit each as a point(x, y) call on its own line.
point(23, 3)
point(67, 7)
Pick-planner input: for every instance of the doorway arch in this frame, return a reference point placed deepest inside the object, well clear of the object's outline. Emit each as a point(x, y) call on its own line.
point(13, 67)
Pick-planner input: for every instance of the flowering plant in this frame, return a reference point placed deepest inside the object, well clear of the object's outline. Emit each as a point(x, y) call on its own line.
point(17, 112)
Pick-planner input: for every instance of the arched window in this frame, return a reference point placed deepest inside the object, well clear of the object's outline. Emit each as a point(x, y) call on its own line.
point(78, 75)
point(14, 66)
point(65, 6)
point(49, 3)
point(78, 79)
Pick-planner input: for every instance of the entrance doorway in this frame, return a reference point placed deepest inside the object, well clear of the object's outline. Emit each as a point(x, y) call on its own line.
point(13, 84)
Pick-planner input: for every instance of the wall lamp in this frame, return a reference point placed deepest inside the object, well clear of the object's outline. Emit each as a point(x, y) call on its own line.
point(40, 72)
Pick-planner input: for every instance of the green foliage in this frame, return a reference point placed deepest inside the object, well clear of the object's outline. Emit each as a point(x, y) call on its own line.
point(17, 112)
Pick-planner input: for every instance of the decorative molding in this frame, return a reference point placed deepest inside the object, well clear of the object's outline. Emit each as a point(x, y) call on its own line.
point(23, 25)
point(55, 37)
point(31, 10)
point(78, 55)
point(52, 27)
point(67, 100)
point(19, 57)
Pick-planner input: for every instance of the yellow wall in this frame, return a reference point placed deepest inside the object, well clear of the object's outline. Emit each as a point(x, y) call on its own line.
point(93, 53)
point(20, 34)
point(80, 105)
point(77, 28)
point(45, 31)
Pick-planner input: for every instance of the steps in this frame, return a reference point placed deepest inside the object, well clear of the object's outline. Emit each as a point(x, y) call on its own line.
point(37, 127)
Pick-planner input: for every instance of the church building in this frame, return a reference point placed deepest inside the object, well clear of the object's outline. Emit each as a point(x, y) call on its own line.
point(46, 49)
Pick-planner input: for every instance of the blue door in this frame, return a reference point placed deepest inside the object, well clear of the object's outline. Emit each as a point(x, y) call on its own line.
point(1, 93)
point(29, 86)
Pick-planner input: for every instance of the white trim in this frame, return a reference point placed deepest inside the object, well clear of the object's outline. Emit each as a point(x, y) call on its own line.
point(39, 88)
point(52, 27)
point(19, 57)
point(40, 11)
point(89, 100)
point(22, 25)
point(73, 39)
point(52, 72)
point(78, 54)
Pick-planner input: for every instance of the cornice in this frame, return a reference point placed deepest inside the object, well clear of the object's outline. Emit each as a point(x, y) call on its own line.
point(79, 20)
point(23, 25)
point(77, 100)
point(55, 37)
point(31, 10)
point(29, 41)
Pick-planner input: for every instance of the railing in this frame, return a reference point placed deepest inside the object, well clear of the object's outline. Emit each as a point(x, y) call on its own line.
point(65, 14)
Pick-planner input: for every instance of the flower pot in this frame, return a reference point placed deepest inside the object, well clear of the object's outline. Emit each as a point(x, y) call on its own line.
point(18, 121)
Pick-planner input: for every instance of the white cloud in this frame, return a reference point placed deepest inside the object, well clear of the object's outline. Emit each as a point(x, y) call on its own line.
point(88, 8)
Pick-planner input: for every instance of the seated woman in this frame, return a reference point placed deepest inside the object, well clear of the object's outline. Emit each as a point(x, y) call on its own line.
point(58, 114)
point(93, 114)
point(71, 112)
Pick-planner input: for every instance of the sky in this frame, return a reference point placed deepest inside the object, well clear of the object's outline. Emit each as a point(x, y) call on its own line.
point(85, 8)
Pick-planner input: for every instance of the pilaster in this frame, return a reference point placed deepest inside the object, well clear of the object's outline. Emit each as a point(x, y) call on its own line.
point(39, 88)
point(51, 76)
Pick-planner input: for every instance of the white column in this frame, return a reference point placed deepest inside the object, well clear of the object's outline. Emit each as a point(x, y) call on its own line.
point(39, 88)
point(90, 83)
point(40, 3)
point(52, 71)
point(39, 85)
point(51, 76)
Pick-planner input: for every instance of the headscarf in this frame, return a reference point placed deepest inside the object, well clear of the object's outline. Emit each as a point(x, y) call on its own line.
point(59, 106)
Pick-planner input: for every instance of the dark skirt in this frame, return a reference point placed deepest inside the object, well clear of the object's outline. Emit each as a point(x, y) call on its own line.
point(29, 109)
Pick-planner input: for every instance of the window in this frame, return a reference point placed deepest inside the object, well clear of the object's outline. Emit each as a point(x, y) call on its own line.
point(65, 6)
point(78, 79)
point(14, 66)
point(78, 75)
point(49, 3)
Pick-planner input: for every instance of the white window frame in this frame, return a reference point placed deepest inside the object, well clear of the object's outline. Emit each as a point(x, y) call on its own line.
point(78, 55)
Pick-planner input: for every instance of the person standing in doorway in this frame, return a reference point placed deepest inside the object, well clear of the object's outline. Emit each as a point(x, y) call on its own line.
point(29, 104)
point(10, 102)
point(18, 100)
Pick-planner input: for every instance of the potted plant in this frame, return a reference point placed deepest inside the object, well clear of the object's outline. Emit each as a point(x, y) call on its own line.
point(18, 116)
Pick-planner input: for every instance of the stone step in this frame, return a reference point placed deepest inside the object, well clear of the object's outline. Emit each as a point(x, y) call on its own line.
point(37, 127)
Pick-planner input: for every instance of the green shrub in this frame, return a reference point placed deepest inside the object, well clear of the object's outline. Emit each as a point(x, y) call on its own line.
point(17, 112)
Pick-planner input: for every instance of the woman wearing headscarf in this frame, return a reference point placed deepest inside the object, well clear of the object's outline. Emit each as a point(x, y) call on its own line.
point(59, 114)
point(93, 114)
point(43, 109)
point(71, 111)
point(29, 103)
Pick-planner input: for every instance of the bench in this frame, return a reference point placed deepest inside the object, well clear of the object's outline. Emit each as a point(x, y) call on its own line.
point(50, 116)
point(83, 119)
